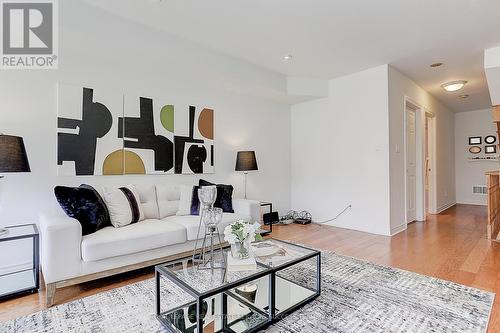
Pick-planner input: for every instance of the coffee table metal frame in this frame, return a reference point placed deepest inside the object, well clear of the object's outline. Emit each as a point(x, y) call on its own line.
point(225, 291)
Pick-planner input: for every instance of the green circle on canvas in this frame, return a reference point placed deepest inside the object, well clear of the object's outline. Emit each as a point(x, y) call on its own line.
point(167, 117)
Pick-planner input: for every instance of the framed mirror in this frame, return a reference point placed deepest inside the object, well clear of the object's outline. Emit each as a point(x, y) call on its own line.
point(490, 139)
point(475, 140)
point(490, 149)
point(475, 150)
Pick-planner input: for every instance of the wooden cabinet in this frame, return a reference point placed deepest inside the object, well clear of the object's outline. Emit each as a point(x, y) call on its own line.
point(493, 226)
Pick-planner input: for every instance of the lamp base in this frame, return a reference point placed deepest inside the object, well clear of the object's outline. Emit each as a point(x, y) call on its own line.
point(246, 174)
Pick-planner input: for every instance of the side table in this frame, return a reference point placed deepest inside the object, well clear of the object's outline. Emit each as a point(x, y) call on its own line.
point(24, 279)
point(270, 205)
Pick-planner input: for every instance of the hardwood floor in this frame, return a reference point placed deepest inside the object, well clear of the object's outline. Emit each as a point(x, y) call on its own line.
point(451, 246)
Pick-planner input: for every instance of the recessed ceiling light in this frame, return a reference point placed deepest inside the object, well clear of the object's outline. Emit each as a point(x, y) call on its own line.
point(464, 96)
point(288, 57)
point(436, 64)
point(453, 85)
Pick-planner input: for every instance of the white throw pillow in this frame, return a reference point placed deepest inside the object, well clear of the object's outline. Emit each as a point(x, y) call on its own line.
point(124, 205)
point(185, 202)
point(168, 199)
point(148, 200)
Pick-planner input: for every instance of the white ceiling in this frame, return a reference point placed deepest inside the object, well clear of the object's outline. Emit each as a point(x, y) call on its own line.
point(330, 38)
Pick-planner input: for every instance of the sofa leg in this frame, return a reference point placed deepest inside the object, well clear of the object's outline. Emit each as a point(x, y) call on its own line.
point(50, 291)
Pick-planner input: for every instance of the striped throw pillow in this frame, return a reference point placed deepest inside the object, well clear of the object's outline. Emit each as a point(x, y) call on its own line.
point(124, 205)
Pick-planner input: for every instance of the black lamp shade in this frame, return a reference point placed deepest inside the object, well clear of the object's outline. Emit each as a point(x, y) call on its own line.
point(13, 155)
point(245, 161)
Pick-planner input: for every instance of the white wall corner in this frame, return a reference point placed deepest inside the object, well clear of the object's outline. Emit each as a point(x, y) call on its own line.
point(492, 57)
point(492, 71)
point(398, 229)
point(445, 207)
point(303, 86)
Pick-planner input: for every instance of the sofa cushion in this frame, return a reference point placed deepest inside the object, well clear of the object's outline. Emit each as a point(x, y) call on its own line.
point(185, 200)
point(148, 201)
point(146, 235)
point(84, 204)
point(123, 205)
point(224, 198)
point(168, 199)
point(192, 222)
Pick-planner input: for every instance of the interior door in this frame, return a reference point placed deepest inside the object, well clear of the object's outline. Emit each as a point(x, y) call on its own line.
point(411, 166)
point(427, 166)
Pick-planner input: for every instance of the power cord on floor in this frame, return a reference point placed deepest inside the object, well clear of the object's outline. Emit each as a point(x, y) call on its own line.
point(336, 217)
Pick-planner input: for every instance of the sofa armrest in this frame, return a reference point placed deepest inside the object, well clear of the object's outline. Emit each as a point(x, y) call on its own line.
point(249, 208)
point(61, 238)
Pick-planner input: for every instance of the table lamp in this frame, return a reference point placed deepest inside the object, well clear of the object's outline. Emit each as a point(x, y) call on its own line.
point(13, 158)
point(246, 161)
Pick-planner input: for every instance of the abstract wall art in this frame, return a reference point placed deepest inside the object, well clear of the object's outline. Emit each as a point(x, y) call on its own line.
point(194, 141)
point(107, 133)
point(87, 130)
point(147, 129)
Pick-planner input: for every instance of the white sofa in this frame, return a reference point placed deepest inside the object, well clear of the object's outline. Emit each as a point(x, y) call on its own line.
point(69, 258)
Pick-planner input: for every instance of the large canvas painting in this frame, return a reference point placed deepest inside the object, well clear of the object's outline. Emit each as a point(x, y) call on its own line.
point(147, 129)
point(194, 141)
point(108, 133)
point(87, 130)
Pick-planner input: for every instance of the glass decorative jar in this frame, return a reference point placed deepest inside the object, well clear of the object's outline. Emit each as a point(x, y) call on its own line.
point(207, 195)
point(240, 250)
point(212, 217)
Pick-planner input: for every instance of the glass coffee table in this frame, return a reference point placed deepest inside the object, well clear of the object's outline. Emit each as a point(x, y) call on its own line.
point(287, 277)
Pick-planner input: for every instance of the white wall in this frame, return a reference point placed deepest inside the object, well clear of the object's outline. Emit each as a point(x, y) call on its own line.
point(468, 174)
point(340, 153)
point(399, 87)
point(492, 73)
point(105, 51)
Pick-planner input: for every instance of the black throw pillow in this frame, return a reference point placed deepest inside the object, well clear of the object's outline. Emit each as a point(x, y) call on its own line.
point(224, 198)
point(195, 202)
point(84, 204)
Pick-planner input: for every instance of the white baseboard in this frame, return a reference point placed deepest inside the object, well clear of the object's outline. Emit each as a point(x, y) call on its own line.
point(472, 204)
point(445, 207)
point(398, 229)
point(15, 268)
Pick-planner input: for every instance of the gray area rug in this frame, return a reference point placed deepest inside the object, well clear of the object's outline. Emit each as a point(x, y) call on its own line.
point(357, 296)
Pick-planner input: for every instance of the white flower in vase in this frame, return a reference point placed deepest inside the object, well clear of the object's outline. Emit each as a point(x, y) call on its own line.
point(240, 234)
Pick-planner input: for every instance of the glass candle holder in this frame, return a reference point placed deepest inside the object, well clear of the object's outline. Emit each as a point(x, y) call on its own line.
point(207, 195)
point(212, 217)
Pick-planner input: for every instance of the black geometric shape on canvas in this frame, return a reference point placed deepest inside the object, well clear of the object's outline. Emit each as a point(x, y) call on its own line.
point(196, 156)
point(142, 129)
point(180, 145)
point(81, 148)
point(211, 155)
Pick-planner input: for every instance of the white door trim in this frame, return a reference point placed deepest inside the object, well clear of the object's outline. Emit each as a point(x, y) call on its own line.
point(411, 163)
point(421, 114)
point(431, 118)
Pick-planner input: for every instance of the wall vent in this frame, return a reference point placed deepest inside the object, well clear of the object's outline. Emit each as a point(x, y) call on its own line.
point(480, 190)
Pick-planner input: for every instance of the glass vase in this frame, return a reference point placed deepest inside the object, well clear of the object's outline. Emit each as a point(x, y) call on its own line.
point(207, 195)
point(240, 250)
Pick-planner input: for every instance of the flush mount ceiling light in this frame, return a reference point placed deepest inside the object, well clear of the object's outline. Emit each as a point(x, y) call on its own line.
point(288, 57)
point(436, 64)
point(453, 85)
point(464, 96)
